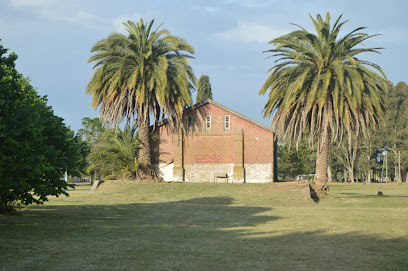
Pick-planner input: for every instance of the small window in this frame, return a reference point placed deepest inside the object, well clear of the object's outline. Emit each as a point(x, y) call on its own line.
point(208, 122)
point(190, 121)
point(227, 124)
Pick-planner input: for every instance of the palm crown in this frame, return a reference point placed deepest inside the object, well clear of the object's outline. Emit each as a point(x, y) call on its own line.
point(320, 86)
point(144, 72)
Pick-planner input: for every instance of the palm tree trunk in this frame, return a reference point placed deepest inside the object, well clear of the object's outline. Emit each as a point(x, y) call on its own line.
point(322, 162)
point(145, 157)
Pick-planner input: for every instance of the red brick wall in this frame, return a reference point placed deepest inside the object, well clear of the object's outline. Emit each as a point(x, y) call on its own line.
point(216, 145)
point(162, 145)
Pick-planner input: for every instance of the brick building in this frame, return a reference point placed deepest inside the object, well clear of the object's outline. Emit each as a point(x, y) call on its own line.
point(219, 144)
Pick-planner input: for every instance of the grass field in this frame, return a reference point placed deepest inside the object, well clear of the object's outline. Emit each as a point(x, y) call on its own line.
point(185, 226)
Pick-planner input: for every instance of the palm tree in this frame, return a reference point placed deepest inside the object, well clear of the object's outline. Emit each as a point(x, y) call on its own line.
point(319, 88)
point(143, 75)
point(114, 154)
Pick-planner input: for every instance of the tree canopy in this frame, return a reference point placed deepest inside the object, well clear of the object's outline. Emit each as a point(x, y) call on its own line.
point(114, 154)
point(92, 129)
point(362, 160)
point(35, 145)
point(293, 162)
point(203, 88)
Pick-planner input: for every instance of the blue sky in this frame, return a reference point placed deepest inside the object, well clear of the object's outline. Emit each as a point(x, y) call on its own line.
point(53, 39)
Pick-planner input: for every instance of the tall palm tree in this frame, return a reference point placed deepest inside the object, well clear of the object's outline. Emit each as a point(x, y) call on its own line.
point(144, 74)
point(319, 88)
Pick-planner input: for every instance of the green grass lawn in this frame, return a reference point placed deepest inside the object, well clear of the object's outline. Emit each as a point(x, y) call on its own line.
point(185, 226)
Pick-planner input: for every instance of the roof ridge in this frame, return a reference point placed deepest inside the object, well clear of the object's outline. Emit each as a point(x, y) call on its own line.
point(208, 100)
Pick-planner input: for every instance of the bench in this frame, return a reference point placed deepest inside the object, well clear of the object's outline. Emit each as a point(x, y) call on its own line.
point(221, 175)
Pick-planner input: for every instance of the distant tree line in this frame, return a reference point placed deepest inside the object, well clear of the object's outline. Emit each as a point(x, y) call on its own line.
point(361, 159)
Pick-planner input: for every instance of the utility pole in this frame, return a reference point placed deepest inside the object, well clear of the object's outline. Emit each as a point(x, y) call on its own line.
point(384, 153)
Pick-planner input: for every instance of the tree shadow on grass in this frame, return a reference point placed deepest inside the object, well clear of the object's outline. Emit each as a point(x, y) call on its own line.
point(359, 195)
point(198, 234)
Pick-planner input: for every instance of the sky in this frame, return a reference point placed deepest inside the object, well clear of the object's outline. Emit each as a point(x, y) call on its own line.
point(53, 39)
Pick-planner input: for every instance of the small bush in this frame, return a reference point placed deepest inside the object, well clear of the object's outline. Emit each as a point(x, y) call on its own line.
point(11, 208)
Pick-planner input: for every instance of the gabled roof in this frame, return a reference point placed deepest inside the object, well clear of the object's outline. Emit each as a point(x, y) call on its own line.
point(209, 101)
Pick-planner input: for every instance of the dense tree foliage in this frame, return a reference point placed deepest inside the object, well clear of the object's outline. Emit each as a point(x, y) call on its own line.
point(35, 145)
point(320, 89)
point(362, 159)
point(92, 129)
point(392, 137)
point(114, 154)
point(293, 162)
point(203, 88)
point(144, 74)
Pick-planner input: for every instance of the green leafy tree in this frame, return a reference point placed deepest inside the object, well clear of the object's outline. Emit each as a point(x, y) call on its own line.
point(145, 74)
point(347, 153)
point(293, 162)
point(367, 160)
point(114, 154)
point(393, 136)
point(92, 128)
point(89, 134)
point(203, 88)
point(79, 150)
point(336, 166)
point(35, 146)
point(321, 89)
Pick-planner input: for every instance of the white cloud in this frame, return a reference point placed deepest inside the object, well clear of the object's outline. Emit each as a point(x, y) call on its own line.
point(32, 3)
point(118, 22)
point(78, 17)
point(251, 32)
point(253, 3)
point(48, 10)
point(84, 18)
point(210, 9)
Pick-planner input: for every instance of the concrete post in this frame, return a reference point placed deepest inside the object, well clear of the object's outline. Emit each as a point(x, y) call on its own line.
point(238, 171)
point(178, 170)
